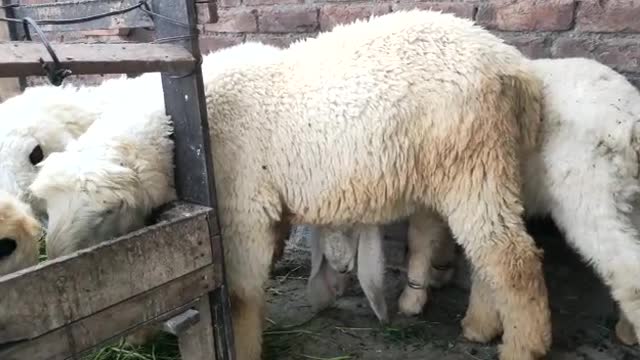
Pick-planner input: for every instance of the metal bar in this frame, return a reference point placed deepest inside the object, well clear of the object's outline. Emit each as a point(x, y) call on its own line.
point(184, 98)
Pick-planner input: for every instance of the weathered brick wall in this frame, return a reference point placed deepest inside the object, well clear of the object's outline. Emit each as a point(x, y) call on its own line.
point(607, 30)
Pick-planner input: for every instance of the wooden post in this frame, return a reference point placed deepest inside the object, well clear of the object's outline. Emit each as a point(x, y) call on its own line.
point(8, 86)
point(184, 100)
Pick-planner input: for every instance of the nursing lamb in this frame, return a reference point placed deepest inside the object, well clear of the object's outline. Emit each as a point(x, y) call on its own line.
point(366, 124)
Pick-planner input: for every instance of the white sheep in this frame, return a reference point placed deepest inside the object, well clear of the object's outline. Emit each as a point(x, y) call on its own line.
point(43, 119)
point(586, 177)
point(334, 253)
point(20, 233)
point(108, 181)
point(34, 124)
point(366, 124)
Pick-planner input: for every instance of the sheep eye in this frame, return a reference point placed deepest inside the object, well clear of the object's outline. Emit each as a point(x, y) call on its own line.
point(36, 155)
point(7, 247)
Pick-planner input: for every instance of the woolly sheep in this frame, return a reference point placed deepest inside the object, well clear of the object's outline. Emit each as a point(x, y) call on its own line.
point(43, 119)
point(334, 252)
point(107, 181)
point(377, 125)
point(585, 177)
point(34, 124)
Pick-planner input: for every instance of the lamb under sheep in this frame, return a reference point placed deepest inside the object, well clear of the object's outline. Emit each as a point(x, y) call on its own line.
point(585, 177)
point(334, 253)
point(381, 118)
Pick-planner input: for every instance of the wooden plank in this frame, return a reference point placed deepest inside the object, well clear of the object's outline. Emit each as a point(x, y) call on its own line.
point(23, 58)
point(82, 8)
point(121, 319)
point(71, 287)
point(184, 99)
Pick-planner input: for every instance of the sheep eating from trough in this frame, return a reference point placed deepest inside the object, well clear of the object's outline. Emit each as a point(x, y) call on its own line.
point(44, 119)
point(105, 183)
point(366, 124)
point(585, 177)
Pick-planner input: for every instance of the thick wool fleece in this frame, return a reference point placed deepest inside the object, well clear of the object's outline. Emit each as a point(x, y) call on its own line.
point(366, 124)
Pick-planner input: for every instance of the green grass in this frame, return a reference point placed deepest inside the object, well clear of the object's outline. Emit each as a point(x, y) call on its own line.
point(165, 347)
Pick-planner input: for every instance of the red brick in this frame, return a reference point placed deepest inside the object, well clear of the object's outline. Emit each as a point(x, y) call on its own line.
point(216, 42)
point(530, 15)
point(272, 2)
point(332, 15)
point(279, 40)
point(236, 20)
point(465, 10)
point(609, 16)
point(621, 54)
point(290, 19)
point(531, 45)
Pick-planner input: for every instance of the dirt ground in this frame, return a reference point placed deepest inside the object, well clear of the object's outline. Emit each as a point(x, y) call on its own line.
point(583, 316)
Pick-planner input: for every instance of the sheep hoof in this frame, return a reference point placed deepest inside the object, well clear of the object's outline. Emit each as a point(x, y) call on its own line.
point(412, 301)
point(511, 352)
point(625, 332)
point(481, 329)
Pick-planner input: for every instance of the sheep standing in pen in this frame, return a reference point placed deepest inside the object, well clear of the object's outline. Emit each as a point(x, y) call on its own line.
point(585, 176)
point(367, 124)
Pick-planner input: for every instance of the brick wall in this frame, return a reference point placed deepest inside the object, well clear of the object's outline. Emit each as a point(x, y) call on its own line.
point(607, 30)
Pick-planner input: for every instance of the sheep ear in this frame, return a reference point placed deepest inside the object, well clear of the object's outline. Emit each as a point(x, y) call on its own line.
point(320, 289)
point(371, 269)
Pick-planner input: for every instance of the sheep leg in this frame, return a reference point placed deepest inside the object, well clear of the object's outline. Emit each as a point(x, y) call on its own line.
point(428, 245)
point(625, 332)
point(482, 322)
point(249, 248)
point(608, 238)
point(491, 230)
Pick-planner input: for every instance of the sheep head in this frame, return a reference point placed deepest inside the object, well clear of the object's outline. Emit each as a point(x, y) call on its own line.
point(34, 124)
point(88, 201)
point(20, 234)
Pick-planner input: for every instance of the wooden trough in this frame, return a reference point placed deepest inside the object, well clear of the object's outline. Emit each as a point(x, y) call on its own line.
point(171, 273)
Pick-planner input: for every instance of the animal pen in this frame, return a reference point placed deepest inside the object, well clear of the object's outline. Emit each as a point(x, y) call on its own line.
point(170, 273)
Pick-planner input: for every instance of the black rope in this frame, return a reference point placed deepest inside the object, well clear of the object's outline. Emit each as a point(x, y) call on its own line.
point(91, 17)
point(147, 10)
point(55, 72)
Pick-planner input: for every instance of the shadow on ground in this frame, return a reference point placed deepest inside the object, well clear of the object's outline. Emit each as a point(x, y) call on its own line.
point(583, 316)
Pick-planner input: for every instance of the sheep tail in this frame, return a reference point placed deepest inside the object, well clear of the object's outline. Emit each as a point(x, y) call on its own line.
point(527, 102)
